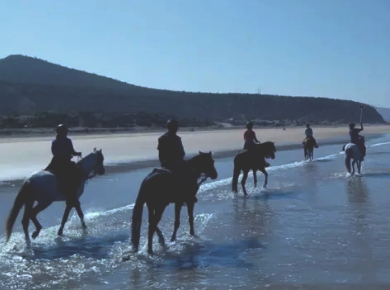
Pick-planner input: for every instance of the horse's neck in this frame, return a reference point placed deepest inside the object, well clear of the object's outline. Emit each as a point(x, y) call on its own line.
point(87, 164)
point(192, 168)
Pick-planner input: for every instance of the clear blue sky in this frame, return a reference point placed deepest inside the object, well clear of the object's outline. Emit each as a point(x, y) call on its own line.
point(330, 48)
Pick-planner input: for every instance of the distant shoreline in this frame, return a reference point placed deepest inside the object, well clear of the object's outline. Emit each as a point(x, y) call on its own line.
point(79, 131)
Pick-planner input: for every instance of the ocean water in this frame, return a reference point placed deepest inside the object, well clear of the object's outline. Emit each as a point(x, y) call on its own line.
point(313, 226)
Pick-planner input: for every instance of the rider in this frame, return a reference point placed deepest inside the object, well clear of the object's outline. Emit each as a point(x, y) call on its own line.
point(171, 153)
point(250, 139)
point(170, 148)
point(355, 138)
point(62, 164)
point(309, 134)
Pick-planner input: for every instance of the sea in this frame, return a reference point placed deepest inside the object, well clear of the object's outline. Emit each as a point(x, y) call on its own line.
point(313, 227)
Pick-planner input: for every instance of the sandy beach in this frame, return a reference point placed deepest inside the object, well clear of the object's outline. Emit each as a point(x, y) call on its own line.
point(33, 153)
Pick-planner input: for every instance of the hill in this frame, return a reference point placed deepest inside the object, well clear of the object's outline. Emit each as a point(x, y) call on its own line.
point(384, 112)
point(30, 86)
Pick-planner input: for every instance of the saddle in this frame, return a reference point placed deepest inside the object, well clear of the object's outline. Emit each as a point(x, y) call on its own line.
point(181, 176)
point(68, 174)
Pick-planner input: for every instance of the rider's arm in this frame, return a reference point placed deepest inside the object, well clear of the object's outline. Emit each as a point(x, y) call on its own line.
point(182, 152)
point(160, 151)
point(255, 138)
point(361, 127)
point(72, 151)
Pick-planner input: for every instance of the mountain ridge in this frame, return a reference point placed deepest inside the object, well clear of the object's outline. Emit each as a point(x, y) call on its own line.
point(30, 86)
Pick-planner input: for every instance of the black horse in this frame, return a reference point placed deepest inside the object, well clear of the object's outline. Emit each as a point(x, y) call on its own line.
point(161, 187)
point(308, 148)
point(252, 159)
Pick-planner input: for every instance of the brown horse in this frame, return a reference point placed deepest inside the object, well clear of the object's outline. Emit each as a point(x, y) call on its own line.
point(308, 148)
point(161, 187)
point(252, 159)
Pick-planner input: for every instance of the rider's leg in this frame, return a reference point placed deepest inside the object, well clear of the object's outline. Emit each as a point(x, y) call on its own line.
point(315, 143)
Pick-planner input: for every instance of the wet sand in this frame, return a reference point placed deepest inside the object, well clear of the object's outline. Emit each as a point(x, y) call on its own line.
point(139, 149)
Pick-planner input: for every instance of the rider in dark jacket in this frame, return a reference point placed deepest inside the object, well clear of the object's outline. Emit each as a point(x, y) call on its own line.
point(357, 139)
point(170, 148)
point(62, 165)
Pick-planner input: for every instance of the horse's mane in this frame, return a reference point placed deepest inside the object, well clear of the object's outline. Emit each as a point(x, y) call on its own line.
point(267, 145)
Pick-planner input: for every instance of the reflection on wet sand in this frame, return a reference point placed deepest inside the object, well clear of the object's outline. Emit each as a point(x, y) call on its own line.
point(360, 234)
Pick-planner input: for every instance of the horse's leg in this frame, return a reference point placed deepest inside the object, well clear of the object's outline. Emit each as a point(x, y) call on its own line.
point(160, 235)
point(348, 163)
point(80, 214)
point(359, 165)
point(26, 220)
point(243, 180)
point(190, 210)
point(151, 228)
point(353, 166)
point(254, 176)
point(154, 219)
point(35, 211)
point(64, 219)
point(178, 206)
point(266, 177)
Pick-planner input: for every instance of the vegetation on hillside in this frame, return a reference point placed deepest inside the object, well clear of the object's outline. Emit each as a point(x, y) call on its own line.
point(38, 93)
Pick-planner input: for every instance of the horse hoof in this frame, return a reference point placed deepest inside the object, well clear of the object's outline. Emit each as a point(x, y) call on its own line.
point(60, 232)
point(161, 242)
point(173, 239)
point(84, 226)
point(35, 235)
point(150, 252)
point(192, 233)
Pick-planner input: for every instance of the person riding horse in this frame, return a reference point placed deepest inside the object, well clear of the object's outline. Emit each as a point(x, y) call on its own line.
point(357, 139)
point(170, 148)
point(309, 134)
point(171, 154)
point(250, 139)
point(66, 171)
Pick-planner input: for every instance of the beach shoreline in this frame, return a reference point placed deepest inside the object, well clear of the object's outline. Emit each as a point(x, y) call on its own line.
point(101, 132)
point(128, 152)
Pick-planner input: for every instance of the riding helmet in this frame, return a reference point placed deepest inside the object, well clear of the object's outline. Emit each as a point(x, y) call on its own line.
point(249, 124)
point(352, 125)
point(62, 129)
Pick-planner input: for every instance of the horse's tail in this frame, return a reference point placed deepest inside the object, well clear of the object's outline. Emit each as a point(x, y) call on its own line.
point(236, 174)
point(137, 218)
point(18, 204)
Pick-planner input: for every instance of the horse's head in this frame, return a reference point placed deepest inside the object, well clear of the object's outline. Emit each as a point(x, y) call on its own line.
point(93, 163)
point(204, 164)
point(267, 149)
point(99, 168)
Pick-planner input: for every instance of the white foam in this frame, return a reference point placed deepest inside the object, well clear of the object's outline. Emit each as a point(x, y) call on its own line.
point(226, 181)
point(379, 144)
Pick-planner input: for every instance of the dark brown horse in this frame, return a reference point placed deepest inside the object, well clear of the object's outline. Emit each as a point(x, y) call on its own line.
point(161, 187)
point(252, 159)
point(308, 148)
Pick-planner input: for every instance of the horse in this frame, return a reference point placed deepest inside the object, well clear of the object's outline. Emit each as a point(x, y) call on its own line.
point(355, 153)
point(42, 187)
point(308, 148)
point(252, 159)
point(162, 187)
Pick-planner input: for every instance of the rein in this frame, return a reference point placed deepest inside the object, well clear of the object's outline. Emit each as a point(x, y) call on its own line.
point(91, 175)
point(203, 177)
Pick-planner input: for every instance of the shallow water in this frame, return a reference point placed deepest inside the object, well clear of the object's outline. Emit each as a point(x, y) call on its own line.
point(312, 226)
